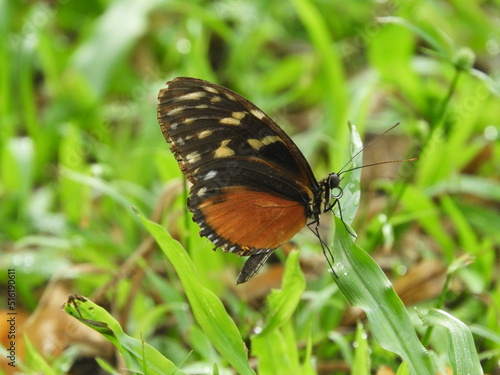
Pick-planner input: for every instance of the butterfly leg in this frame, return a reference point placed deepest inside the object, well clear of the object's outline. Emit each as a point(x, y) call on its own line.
point(342, 220)
point(330, 208)
point(324, 246)
point(252, 266)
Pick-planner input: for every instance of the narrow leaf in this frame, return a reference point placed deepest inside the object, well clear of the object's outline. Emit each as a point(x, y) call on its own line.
point(365, 285)
point(207, 308)
point(461, 348)
point(284, 302)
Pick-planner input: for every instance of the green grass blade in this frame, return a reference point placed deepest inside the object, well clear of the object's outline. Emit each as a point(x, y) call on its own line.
point(138, 355)
point(350, 181)
point(207, 308)
point(35, 361)
point(307, 366)
point(365, 285)
point(403, 369)
point(332, 72)
point(461, 349)
point(361, 364)
point(274, 354)
point(109, 35)
point(283, 302)
point(439, 41)
point(275, 346)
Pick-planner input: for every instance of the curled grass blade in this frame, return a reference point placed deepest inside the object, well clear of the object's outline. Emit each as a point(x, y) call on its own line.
point(461, 349)
point(138, 355)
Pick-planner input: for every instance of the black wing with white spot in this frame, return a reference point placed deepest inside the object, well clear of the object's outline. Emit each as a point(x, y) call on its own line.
point(215, 132)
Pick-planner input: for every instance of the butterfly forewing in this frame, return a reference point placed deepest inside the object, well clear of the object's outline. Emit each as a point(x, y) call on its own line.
point(201, 119)
point(252, 187)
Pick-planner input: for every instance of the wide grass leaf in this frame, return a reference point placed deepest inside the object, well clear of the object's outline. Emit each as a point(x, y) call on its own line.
point(207, 308)
point(365, 285)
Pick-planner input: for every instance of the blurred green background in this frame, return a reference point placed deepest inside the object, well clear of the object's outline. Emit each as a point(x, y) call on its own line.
point(80, 148)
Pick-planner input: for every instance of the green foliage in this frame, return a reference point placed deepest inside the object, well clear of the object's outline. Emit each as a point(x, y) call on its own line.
point(80, 147)
point(207, 308)
point(461, 348)
point(138, 355)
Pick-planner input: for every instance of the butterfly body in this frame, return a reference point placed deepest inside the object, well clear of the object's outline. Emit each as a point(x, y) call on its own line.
point(252, 189)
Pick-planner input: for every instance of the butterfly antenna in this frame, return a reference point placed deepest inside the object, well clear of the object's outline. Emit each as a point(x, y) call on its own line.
point(364, 148)
point(379, 163)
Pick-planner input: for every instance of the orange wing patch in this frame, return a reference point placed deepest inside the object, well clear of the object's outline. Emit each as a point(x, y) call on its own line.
point(253, 220)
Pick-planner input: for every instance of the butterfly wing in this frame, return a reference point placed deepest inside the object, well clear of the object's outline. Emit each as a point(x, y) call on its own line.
point(252, 187)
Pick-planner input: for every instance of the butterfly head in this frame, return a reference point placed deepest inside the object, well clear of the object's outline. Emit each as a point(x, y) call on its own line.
point(333, 186)
point(330, 189)
point(333, 183)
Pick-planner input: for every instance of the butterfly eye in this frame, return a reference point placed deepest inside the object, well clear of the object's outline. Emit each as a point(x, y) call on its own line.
point(333, 181)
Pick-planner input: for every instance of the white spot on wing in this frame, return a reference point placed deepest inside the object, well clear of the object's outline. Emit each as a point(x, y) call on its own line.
point(192, 96)
point(211, 89)
point(238, 115)
point(202, 192)
point(230, 121)
point(271, 139)
point(204, 134)
point(193, 157)
point(223, 151)
point(255, 144)
point(230, 96)
point(176, 110)
point(210, 175)
point(258, 113)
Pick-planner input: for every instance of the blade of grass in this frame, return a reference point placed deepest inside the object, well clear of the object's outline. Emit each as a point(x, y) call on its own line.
point(332, 73)
point(361, 364)
point(138, 355)
point(283, 302)
point(350, 185)
point(207, 308)
point(35, 360)
point(307, 366)
point(109, 35)
point(365, 285)
point(275, 345)
point(6, 130)
point(461, 349)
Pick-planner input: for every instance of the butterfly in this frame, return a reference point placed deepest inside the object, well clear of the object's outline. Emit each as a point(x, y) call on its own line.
point(252, 188)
